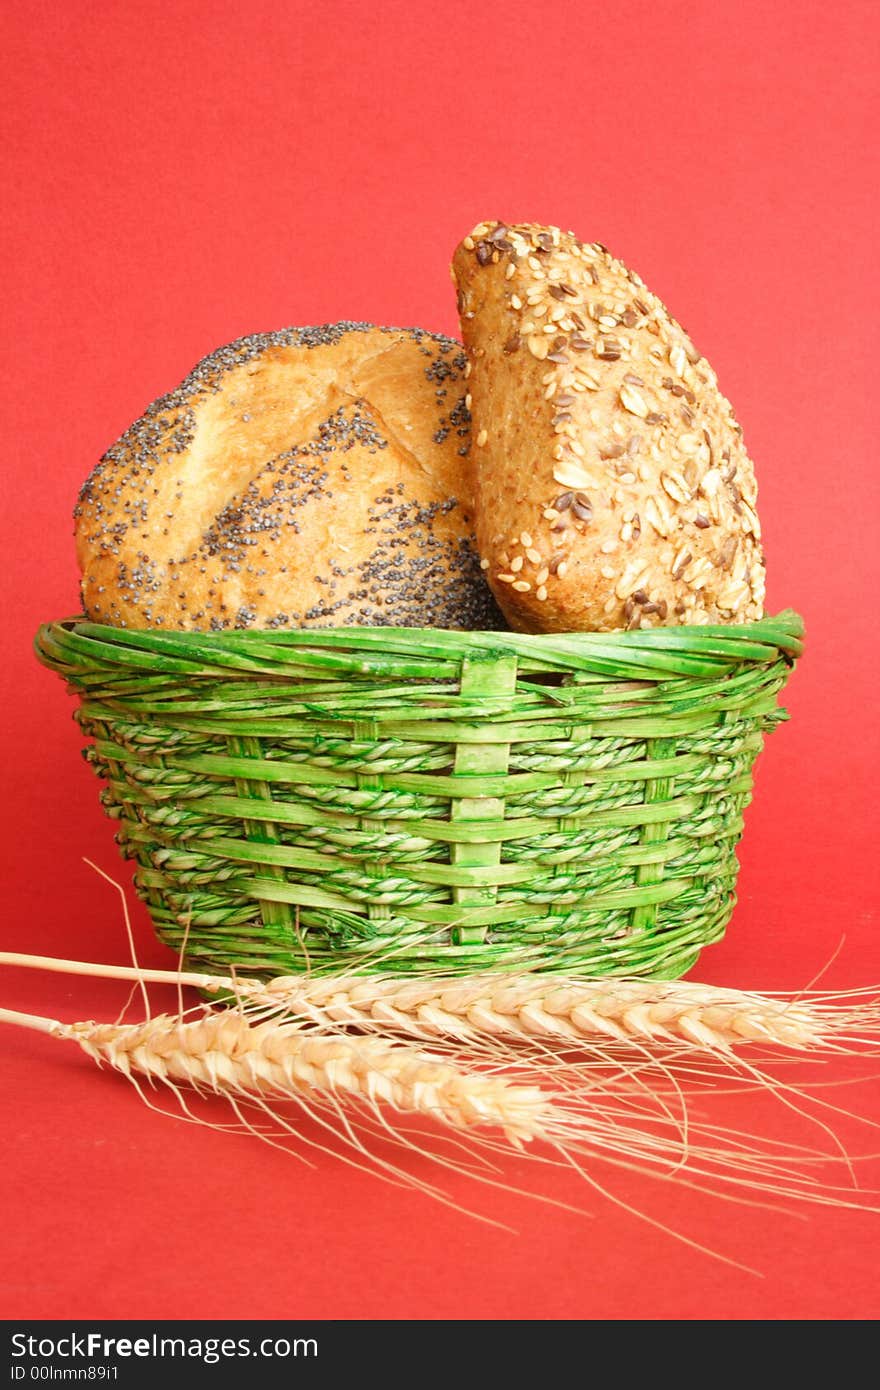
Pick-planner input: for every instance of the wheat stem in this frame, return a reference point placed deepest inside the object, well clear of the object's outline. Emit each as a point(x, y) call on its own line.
point(101, 970)
point(37, 1022)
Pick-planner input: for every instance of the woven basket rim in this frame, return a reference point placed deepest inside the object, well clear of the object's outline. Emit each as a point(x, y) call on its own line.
point(659, 651)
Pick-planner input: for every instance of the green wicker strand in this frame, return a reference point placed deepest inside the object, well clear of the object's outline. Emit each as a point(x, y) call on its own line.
point(482, 676)
point(276, 916)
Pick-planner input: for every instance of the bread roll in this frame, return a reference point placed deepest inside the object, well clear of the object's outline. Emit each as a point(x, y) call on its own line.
point(612, 486)
point(307, 478)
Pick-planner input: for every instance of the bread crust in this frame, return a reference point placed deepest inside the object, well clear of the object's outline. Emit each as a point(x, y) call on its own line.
point(612, 486)
point(311, 477)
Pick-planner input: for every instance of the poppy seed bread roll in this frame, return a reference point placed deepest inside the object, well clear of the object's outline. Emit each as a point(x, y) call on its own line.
point(312, 477)
point(612, 486)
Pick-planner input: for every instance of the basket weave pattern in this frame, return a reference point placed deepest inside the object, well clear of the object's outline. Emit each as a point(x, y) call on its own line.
point(423, 799)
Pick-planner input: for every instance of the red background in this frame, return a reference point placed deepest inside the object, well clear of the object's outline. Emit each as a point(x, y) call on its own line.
point(179, 175)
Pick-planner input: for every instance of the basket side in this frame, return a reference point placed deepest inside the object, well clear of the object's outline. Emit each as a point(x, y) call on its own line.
point(454, 806)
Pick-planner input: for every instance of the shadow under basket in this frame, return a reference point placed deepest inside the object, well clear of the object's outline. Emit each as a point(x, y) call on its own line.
point(416, 800)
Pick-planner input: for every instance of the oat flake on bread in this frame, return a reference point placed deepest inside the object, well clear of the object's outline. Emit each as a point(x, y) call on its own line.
point(312, 477)
point(612, 486)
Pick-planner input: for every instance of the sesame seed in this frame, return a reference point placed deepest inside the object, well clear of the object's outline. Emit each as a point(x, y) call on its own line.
point(541, 593)
point(522, 586)
point(534, 556)
point(481, 438)
point(517, 564)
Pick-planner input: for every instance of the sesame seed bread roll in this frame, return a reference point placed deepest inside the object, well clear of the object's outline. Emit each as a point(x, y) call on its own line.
point(612, 487)
point(312, 477)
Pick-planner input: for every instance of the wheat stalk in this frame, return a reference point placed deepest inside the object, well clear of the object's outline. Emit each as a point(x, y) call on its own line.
point(254, 1054)
point(517, 1007)
point(225, 1052)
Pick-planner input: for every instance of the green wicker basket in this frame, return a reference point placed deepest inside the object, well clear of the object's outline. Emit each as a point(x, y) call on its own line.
point(421, 800)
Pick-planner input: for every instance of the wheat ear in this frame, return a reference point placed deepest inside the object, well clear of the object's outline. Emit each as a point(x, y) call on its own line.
point(252, 1061)
point(534, 1006)
point(226, 1053)
point(528, 1006)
